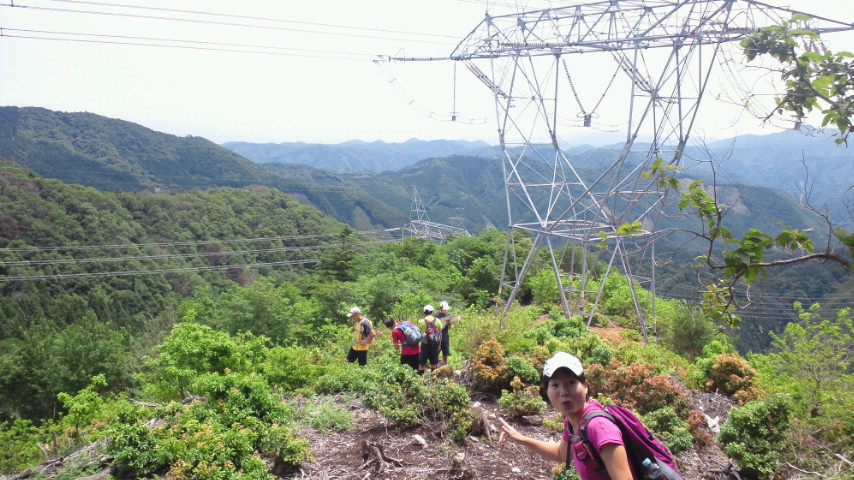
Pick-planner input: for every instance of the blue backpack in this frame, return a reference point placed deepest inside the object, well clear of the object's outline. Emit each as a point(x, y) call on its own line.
point(412, 334)
point(640, 443)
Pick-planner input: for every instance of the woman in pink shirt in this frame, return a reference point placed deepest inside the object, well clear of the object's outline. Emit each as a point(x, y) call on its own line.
point(566, 388)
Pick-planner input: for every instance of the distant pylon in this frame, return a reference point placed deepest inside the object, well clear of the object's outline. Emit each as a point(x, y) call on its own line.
point(420, 225)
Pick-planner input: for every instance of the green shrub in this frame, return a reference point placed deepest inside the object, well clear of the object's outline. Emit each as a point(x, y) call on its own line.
point(292, 368)
point(676, 432)
point(237, 423)
point(19, 440)
point(754, 435)
point(523, 400)
point(521, 368)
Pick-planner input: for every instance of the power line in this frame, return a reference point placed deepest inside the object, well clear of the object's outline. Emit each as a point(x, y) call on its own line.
point(160, 244)
point(175, 244)
point(250, 17)
point(176, 43)
point(65, 261)
point(150, 272)
point(235, 24)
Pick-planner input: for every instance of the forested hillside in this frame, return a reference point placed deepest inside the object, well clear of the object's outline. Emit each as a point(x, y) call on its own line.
point(247, 380)
point(115, 155)
point(463, 191)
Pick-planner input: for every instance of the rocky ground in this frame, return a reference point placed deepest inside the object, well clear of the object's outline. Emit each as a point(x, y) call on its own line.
point(374, 450)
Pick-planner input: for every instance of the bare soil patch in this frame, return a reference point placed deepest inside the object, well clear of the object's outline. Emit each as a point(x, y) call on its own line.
point(340, 455)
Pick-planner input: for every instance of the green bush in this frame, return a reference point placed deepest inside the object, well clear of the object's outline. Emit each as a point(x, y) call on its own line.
point(237, 423)
point(292, 368)
point(676, 432)
point(523, 400)
point(19, 439)
point(521, 368)
point(754, 435)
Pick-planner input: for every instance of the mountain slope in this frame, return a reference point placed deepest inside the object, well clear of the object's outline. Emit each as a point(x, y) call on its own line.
point(110, 154)
point(355, 155)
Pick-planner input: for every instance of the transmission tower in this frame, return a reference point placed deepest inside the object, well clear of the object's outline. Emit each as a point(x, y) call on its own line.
point(539, 66)
point(420, 225)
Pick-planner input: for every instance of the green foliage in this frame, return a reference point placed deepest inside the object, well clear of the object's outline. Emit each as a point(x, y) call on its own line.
point(20, 440)
point(813, 80)
point(812, 361)
point(192, 350)
point(292, 368)
point(559, 473)
point(85, 406)
point(754, 435)
point(544, 287)
point(48, 360)
point(238, 422)
point(522, 369)
point(675, 430)
point(689, 332)
point(522, 400)
point(395, 391)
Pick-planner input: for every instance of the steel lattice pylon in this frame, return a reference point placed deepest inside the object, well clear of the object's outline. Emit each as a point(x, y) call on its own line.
point(420, 225)
point(662, 53)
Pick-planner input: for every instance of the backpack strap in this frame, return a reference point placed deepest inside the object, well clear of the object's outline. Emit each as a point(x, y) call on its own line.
point(627, 444)
point(582, 431)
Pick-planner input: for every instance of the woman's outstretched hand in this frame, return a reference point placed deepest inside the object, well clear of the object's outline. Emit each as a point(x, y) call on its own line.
point(507, 431)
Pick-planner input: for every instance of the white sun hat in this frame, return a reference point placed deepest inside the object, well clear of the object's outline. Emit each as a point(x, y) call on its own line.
point(562, 360)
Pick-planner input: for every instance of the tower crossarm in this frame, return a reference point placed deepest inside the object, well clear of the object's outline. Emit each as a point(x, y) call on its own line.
point(619, 25)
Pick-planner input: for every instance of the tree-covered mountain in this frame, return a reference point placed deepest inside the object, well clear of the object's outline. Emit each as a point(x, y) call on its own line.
point(113, 155)
point(791, 161)
point(356, 155)
point(67, 249)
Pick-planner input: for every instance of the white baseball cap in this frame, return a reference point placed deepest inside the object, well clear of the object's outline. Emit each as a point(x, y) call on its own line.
point(429, 308)
point(354, 310)
point(444, 305)
point(562, 360)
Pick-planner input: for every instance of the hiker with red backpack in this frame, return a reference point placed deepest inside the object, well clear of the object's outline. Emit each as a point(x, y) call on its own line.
point(407, 339)
point(431, 339)
point(600, 442)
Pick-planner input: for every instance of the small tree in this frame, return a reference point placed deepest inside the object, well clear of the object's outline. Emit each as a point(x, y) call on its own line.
point(753, 435)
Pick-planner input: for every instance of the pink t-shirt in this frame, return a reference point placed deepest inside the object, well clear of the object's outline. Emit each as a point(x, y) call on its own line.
point(397, 336)
point(600, 431)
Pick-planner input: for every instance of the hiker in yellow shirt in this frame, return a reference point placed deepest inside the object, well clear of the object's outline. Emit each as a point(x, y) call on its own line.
point(365, 335)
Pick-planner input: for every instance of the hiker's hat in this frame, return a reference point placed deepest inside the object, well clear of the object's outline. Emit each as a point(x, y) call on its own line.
point(354, 311)
point(443, 305)
point(428, 309)
point(562, 360)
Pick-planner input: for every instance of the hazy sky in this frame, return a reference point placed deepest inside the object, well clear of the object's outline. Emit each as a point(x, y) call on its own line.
point(274, 70)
